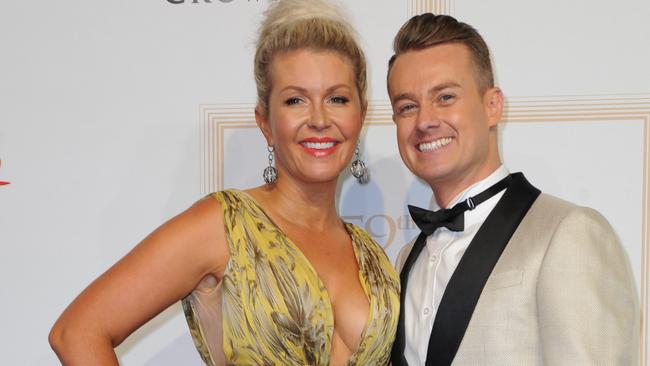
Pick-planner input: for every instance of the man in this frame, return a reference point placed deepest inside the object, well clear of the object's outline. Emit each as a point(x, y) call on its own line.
point(506, 275)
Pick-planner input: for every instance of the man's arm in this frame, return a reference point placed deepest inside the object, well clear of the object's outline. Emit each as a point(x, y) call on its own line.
point(586, 297)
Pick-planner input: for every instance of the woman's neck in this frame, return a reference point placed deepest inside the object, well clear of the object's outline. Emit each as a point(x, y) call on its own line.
point(305, 205)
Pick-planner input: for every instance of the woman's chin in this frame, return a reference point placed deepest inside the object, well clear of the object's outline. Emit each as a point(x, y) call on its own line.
point(321, 177)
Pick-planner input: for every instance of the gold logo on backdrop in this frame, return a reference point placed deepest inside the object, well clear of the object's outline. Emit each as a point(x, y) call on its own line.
point(382, 227)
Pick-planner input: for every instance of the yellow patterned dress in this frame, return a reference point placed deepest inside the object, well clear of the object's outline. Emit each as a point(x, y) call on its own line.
point(271, 308)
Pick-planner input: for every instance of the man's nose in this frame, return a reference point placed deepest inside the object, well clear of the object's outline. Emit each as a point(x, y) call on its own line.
point(428, 117)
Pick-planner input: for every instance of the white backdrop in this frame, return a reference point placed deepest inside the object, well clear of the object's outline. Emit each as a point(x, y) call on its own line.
point(116, 115)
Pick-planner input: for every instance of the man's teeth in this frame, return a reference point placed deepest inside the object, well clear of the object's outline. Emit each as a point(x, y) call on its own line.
point(318, 145)
point(433, 145)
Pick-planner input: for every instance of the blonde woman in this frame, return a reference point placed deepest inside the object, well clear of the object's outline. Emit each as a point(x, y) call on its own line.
point(269, 275)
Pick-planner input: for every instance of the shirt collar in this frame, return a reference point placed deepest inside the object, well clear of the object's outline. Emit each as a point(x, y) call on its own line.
point(478, 187)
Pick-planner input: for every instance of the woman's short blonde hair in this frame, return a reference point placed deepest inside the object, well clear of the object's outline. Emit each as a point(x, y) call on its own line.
point(298, 24)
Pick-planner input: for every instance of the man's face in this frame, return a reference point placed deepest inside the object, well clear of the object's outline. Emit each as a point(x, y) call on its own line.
point(446, 128)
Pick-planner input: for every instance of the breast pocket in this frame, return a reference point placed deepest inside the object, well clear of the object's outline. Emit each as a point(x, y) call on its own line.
point(505, 279)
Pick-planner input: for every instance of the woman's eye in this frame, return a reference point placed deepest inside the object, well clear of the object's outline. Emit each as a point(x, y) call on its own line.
point(339, 99)
point(292, 101)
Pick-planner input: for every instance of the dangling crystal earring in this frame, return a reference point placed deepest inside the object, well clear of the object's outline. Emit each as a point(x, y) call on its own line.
point(358, 168)
point(270, 174)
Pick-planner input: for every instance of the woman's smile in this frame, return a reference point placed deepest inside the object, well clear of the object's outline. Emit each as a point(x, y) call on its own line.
point(319, 146)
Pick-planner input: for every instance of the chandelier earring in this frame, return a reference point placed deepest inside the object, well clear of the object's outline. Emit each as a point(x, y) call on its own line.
point(270, 174)
point(358, 168)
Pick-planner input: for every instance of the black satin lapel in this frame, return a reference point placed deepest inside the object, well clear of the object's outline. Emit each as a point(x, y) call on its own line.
point(469, 278)
point(397, 353)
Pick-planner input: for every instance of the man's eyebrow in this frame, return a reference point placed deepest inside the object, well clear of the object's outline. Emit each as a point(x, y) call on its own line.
point(402, 96)
point(449, 84)
point(433, 90)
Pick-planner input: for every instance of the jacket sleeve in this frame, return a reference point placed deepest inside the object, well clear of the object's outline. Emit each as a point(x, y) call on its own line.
point(586, 295)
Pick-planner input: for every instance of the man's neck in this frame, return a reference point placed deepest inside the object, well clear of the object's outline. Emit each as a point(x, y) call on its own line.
point(446, 191)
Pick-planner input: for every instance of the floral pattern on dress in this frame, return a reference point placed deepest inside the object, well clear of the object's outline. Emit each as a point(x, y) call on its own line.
point(275, 308)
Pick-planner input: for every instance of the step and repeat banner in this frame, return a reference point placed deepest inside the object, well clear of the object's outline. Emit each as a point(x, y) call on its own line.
point(117, 115)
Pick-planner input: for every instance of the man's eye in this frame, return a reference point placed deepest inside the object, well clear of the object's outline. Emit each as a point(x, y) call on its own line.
point(292, 101)
point(406, 108)
point(446, 98)
point(339, 99)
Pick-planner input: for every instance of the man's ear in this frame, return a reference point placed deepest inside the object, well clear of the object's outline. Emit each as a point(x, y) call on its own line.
point(493, 99)
point(264, 125)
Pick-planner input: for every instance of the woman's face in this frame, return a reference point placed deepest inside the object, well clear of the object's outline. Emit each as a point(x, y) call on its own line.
point(314, 114)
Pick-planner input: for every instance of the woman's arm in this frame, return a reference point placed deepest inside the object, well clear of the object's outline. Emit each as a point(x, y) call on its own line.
point(159, 271)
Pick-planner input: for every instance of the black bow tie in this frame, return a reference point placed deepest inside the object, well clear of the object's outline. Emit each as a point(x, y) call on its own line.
point(453, 218)
point(428, 221)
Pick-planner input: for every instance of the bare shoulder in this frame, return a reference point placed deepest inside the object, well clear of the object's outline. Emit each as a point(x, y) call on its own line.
point(204, 216)
point(200, 228)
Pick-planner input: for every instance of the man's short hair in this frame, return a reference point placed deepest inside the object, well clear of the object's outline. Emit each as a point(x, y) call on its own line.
point(428, 30)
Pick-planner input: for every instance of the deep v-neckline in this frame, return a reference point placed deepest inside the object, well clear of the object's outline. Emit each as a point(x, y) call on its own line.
point(321, 283)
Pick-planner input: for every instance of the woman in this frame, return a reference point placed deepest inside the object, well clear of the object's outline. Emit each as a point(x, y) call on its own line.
point(274, 276)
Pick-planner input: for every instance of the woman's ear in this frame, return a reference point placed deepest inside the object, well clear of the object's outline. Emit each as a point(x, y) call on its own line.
point(364, 111)
point(264, 125)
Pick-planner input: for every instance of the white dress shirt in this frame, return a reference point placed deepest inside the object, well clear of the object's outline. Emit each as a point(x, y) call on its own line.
point(435, 265)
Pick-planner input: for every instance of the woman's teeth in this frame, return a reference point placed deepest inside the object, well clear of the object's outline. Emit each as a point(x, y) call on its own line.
point(318, 145)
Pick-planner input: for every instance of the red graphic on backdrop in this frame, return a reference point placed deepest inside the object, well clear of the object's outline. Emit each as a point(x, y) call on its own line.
point(2, 183)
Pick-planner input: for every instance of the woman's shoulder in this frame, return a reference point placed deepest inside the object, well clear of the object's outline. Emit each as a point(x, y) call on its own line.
point(238, 207)
point(223, 195)
point(231, 197)
point(205, 215)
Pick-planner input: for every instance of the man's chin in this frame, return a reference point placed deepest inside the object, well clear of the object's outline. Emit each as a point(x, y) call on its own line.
point(427, 173)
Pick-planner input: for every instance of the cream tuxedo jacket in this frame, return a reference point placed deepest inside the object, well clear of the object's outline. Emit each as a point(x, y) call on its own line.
point(561, 293)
